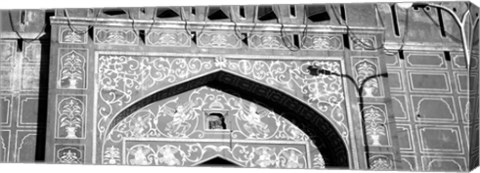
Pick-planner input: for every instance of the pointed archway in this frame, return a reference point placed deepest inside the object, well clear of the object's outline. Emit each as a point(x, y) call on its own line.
point(218, 162)
point(323, 134)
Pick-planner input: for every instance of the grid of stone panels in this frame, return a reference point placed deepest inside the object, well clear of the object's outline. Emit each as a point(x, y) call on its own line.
point(19, 98)
point(430, 99)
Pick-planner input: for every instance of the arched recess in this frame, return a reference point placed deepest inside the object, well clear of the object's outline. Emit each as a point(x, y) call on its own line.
point(323, 134)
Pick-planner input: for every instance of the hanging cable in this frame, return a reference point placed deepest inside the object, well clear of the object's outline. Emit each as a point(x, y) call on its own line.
point(18, 33)
point(354, 37)
point(282, 35)
point(154, 17)
point(234, 24)
point(77, 31)
point(183, 18)
point(133, 22)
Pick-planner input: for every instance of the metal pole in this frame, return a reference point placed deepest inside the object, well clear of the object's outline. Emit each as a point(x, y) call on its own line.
point(461, 25)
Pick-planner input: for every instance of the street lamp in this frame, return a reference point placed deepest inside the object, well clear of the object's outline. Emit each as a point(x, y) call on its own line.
point(461, 23)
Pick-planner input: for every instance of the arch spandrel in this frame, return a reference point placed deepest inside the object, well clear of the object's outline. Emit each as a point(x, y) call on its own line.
point(124, 85)
point(125, 79)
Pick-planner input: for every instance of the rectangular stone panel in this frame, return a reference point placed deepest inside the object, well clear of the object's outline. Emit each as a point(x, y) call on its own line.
point(461, 80)
point(73, 35)
point(464, 106)
point(421, 81)
point(376, 124)
point(69, 154)
point(405, 135)
point(25, 146)
point(70, 116)
point(409, 162)
point(367, 73)
point(30, 77)
point(219, 40)
point(28, 110)
point(433, 108)
point(116, 36)
point(393, 61)
point(32, 52)
point(268, 41)
point(400, 107)
point(429, 60)
point(322, 42)
point(4, 145)
point(168, 38)
point(440, 139)
point(7, 51)
point(395, 80)
point(444, 163)
point(72, 68)
point(459, 63)
point(6, 104)
point(6, 77)
point(381, 161)
point(362, 42)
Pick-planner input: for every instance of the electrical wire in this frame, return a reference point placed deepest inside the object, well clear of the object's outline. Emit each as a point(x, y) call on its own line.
point(234, 24)
point(366, 46)
point(77, 31)
point(18, 33)
point(154, 18)
point(282, 35)
point(133, 22)
point(182, 17)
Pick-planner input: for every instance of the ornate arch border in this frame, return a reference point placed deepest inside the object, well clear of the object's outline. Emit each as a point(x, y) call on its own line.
point(349, 150)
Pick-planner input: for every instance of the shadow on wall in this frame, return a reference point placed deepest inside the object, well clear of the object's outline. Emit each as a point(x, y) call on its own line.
point(43, 93)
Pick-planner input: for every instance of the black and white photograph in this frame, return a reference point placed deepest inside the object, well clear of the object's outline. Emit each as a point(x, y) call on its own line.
point(311, 86)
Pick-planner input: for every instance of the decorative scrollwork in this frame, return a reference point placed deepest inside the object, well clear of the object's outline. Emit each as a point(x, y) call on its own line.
point(242, 154)
point(122, 77)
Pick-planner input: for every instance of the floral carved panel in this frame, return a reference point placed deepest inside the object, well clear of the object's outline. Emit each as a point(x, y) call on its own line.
point(72, 67)
point(70, 117)
point(322, 42)
point(168, 39)
point(259, 41)
point(70, 35)
point(381, 163)
point(376, 125)
point(218, 40)
point(115, 36)
point(363, 42)
point(69, 154)
point(368, 76)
